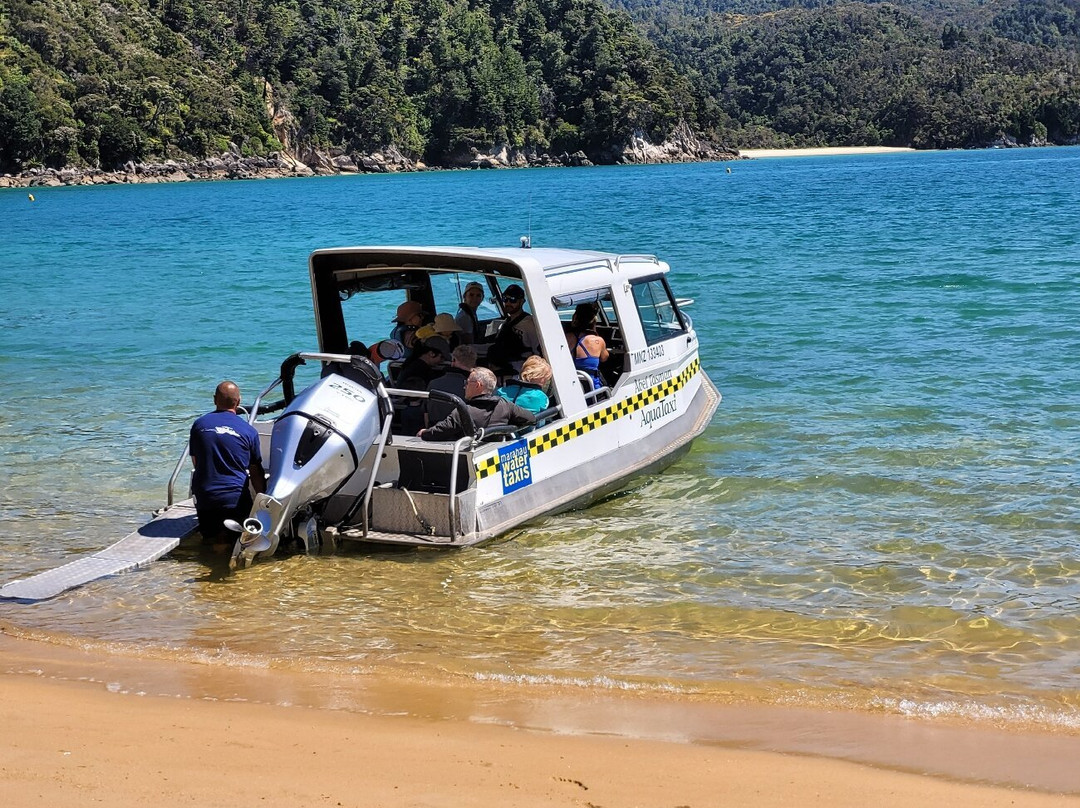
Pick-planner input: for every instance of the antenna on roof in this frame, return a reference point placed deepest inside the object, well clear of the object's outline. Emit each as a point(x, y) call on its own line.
point(526, 241)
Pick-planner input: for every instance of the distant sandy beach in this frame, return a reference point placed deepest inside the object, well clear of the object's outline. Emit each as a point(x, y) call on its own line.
point(76, 733)
point(821, 152)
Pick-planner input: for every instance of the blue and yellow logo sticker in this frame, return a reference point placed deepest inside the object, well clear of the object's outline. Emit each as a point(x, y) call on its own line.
point(515, 466)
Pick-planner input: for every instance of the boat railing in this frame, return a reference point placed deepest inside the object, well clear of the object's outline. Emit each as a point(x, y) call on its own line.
point(592, 393)
point(460, 445)
point(176, 473)
point(489, 433)
point(635, 257)
point(257, 408)
point(385, 394)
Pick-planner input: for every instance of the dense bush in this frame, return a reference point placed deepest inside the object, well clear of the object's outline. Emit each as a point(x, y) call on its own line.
point(867, 74)
point(174, 78)
point(90, 83)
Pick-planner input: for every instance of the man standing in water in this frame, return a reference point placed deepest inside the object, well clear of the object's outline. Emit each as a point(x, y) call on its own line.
point(226, 455)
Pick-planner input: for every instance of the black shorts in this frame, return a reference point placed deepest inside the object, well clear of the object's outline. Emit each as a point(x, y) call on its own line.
point(212, 520)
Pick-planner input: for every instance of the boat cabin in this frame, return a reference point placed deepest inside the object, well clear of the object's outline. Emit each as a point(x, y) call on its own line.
point(384, 483)
point(356, 293)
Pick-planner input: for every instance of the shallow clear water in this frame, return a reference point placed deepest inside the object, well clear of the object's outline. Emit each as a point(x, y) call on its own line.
point(883, 513)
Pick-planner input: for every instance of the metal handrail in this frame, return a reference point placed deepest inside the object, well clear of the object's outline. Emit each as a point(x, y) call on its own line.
point(387, 421)
point(632, 256)
point(258, 400)
point(459, 444)
point(176, 473)
point(593, 395)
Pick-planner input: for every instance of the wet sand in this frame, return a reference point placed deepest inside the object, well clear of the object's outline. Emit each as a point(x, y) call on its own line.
point(821, 151)
point(84, 728)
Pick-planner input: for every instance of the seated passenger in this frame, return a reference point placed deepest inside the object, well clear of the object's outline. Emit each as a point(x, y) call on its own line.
point(529, 390)
point(453, 381)
point(417, 373)
point(471, 330)
point(387, 350)
point(444, 326)
point(589, 349)
point(409, 317)
point(486, 409)
point(517, 338)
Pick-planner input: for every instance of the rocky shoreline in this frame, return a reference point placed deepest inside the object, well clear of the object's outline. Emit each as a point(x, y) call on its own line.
point(683, 146)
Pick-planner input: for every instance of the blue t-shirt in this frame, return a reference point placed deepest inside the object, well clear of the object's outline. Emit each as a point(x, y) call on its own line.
point(223, 445)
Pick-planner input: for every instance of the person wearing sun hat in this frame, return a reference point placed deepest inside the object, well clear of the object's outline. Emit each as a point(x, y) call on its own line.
point(409, 317)
point(445, 327)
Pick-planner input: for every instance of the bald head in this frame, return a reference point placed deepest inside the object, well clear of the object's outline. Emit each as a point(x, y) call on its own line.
point(227, 396)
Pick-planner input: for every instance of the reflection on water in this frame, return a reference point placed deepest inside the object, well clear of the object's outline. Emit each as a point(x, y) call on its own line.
point(882, 514)
point(653, 590)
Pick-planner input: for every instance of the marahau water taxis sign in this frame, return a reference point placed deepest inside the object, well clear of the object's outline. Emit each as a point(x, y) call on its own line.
point(515, 466)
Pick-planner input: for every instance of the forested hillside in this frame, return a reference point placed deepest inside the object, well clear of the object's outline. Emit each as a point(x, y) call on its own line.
point(85, 81)
point(929, 75)
point(92, 83)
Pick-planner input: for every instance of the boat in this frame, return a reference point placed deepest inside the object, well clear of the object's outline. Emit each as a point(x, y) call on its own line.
point(342, 469)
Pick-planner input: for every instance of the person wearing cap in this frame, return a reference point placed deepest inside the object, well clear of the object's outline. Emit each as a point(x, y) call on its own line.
point(517, 338)
point(471, 330)
point(420, 369)
point(463, 360)
point(444, 326)
point(424, 363)
point(409, 317)
point(486, 409)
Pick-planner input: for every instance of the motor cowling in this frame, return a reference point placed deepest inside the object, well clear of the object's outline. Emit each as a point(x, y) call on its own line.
point(317, 446)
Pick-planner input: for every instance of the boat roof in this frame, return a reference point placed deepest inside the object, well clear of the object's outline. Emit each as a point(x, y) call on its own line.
point(558, 269)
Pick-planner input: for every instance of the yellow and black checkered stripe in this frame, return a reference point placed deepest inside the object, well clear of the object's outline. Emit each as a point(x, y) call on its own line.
point(619, 409)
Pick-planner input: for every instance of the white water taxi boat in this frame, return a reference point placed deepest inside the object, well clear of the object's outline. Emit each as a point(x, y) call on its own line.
point(340, 467)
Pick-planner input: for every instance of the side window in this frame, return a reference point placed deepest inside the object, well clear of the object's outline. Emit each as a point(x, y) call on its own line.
point(660, 317)
point(448, 288)
point(606, 316)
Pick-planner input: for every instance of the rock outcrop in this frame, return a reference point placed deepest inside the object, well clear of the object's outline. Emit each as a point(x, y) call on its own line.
point(682, 146)
point(228, 166)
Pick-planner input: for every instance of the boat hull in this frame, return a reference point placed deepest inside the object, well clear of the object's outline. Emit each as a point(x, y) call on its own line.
point(575, 486)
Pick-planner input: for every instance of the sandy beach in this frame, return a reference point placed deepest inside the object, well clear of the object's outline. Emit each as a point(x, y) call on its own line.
point(84, 729)
point(822, 151)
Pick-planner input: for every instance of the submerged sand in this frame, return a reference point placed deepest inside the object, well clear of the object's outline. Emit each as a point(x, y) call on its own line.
point(89, 728)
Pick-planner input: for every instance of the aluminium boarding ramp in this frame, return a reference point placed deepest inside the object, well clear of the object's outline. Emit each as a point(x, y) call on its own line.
point(149, 543)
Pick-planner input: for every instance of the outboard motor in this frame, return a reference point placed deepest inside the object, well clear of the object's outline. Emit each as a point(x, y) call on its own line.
point(322, 440)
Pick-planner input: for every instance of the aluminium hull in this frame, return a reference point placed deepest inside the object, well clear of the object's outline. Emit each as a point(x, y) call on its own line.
point(581, 484)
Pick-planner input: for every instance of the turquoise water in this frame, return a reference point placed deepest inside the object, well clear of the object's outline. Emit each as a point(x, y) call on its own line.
point(882, 515)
